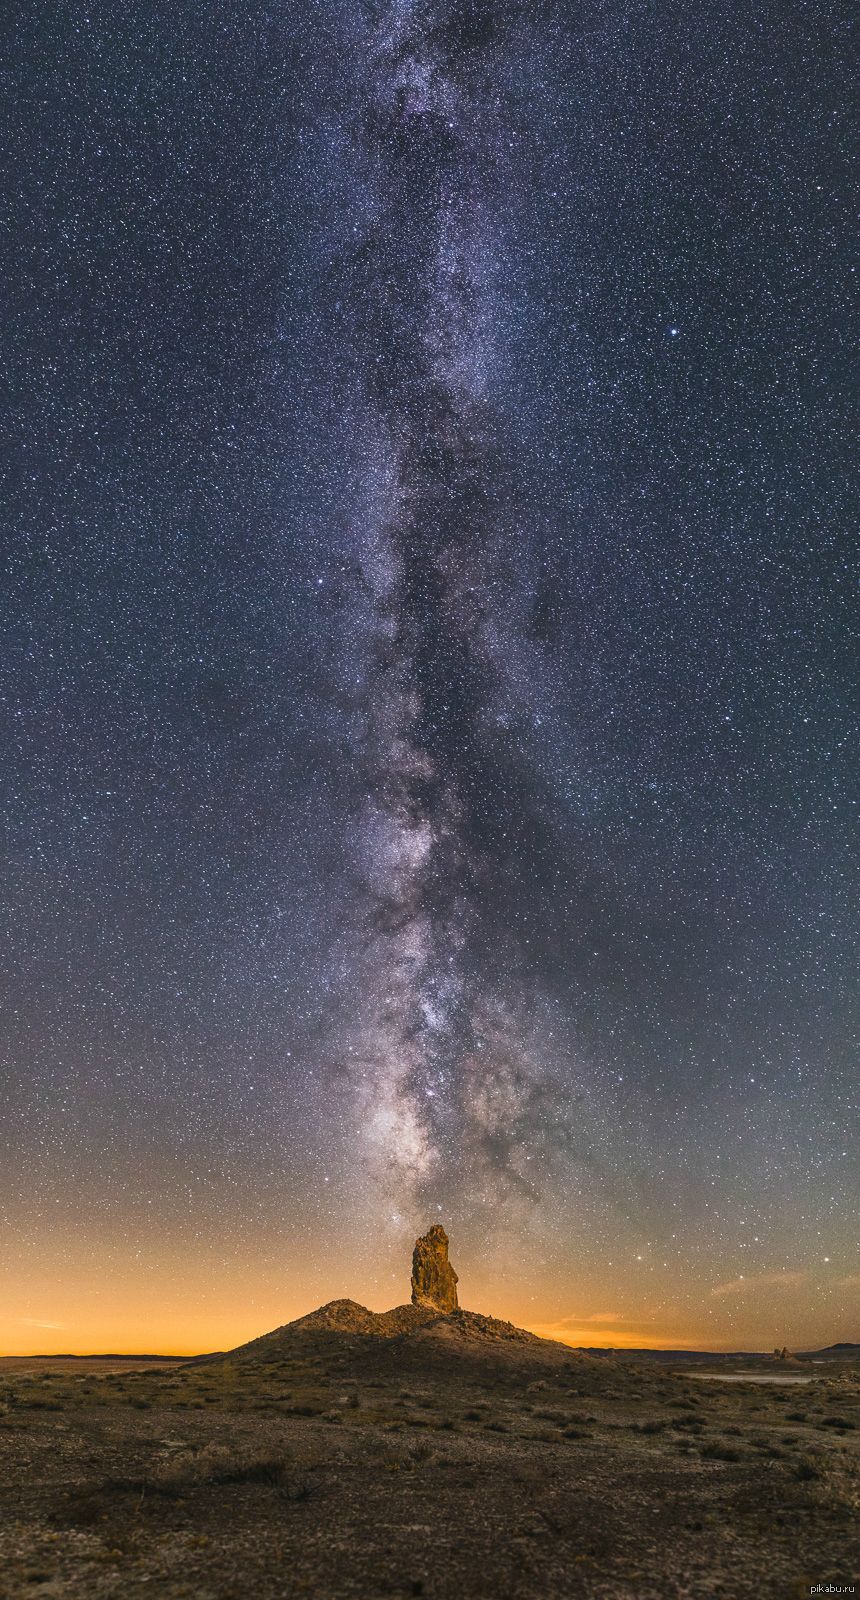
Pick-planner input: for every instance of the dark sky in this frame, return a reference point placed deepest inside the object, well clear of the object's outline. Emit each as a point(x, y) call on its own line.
point(428, 684)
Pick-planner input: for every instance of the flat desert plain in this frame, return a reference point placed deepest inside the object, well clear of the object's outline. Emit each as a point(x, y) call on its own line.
point(334, 1465)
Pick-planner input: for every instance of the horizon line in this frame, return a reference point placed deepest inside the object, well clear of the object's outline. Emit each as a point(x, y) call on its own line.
point(613, 1349)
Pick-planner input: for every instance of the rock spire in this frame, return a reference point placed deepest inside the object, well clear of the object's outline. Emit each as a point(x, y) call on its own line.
point(434, 1281)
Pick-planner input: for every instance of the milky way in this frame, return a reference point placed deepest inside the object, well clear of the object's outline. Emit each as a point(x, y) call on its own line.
point(450, 1058)
point(429, 673)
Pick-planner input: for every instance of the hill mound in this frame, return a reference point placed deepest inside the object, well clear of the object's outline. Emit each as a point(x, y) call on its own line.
point(431, 1330)
point(406, 1336)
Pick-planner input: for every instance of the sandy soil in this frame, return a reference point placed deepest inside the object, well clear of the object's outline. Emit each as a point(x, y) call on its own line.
point(344, 1466)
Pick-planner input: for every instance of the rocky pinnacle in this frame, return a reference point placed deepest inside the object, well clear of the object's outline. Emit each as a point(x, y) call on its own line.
point(434, 1281)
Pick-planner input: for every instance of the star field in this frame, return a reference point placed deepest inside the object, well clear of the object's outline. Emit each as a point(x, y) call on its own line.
point(429, 673)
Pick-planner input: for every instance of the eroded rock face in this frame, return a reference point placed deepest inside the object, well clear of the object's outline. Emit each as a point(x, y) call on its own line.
point(434, 1281)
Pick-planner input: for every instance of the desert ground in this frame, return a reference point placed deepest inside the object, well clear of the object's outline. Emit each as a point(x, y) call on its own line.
point(447, 1460)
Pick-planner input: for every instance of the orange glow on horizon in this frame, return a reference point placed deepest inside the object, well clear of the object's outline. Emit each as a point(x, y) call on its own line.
point(188, 1299)
point(609, 1338)
point(125, 1331)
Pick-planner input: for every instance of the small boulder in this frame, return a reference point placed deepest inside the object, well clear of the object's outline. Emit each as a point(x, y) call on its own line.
point(434, 1281)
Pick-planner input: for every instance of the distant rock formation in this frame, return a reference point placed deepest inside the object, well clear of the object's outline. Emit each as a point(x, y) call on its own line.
point(434, 1281)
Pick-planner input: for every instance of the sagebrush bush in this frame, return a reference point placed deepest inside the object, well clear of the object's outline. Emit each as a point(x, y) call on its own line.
point(217, 1463)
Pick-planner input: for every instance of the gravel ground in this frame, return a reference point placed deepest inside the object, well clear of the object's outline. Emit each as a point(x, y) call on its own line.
point(339, 1468)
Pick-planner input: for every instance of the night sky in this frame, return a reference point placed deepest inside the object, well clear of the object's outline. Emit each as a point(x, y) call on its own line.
point(428, 686)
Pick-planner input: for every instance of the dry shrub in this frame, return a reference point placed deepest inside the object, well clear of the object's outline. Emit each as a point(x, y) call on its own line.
point(837, 1487)
point(715, 1451)
point(221, 1464)
point(405, 1456)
